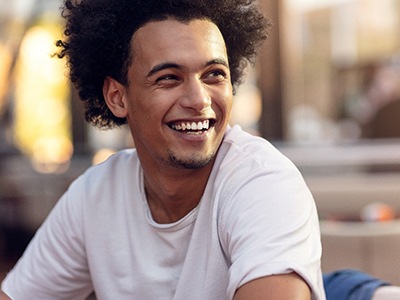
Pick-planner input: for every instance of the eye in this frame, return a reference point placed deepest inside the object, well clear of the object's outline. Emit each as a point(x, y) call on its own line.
point(216, 73)
point(215, 76)
point(168, 77)
point(168, 80)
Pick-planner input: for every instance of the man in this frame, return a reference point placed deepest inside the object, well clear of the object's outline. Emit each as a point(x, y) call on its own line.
point(199, 210)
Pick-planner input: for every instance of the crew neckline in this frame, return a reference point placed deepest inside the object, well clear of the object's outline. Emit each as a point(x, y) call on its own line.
point(188, 219)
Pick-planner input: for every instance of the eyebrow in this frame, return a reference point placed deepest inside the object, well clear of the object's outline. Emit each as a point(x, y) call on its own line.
point(170, 65)
point(218, 61)
point(163, 66)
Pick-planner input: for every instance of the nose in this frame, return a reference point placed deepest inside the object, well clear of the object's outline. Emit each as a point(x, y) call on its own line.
point(196, 95)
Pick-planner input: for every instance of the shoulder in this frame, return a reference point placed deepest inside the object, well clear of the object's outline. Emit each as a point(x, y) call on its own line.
point(107, 179)
point(247, 146)
point(244, 154)
point(120, 163)
point(253, 174)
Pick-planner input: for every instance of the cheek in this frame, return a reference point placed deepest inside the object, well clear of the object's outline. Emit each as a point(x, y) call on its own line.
point(140, 106)
point(149, 114)
point(142, 117)
point(226, 102)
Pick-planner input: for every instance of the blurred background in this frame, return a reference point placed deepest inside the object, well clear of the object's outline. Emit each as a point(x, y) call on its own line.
point(325, 90)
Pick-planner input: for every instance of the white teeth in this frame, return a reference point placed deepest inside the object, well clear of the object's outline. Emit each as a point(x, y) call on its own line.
point(192, 126)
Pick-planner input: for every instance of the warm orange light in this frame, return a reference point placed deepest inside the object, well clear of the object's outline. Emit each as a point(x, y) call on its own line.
point(5, 62)
point(42, 118)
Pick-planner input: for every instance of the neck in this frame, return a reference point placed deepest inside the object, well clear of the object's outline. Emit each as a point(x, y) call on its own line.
point(172, 195)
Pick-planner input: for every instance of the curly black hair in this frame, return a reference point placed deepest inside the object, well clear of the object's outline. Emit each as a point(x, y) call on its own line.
point(98, 35)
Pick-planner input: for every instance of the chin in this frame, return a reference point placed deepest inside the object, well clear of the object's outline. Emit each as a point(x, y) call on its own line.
point(192, 162)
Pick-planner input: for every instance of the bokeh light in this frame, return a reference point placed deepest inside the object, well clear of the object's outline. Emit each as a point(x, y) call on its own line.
point(42, 128)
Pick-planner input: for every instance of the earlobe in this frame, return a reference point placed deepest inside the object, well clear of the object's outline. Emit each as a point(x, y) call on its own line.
point(114, 95)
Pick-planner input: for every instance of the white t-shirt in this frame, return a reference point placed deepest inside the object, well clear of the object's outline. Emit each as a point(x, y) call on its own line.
point(256, 218)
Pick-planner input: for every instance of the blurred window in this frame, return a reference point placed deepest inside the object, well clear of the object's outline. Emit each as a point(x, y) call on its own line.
point(341, 69)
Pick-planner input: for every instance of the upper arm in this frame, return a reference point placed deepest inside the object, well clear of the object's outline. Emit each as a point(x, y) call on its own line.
point(3, 296)
point(54, 262)
point(285, 286)
point(272, 230)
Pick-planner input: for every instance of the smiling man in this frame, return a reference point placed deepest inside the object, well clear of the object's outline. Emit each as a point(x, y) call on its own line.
point(199, 209)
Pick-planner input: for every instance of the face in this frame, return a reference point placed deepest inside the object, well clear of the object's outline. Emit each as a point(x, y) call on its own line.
point(179, 96)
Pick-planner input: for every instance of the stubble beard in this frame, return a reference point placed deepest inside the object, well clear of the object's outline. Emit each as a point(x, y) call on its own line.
point(191, 162)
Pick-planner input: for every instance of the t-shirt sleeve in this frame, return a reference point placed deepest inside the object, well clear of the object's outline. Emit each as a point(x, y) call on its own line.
point(270, 226)
point(54, 264)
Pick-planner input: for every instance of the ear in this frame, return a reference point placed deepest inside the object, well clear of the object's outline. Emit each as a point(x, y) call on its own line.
point(114, 94)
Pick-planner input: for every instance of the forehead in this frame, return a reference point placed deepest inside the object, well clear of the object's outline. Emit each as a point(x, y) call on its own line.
point(178, 41)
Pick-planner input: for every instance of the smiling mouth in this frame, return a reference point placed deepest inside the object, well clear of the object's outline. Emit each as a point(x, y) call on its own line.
point(192, 127)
